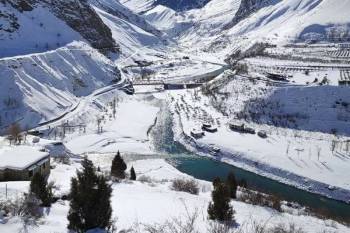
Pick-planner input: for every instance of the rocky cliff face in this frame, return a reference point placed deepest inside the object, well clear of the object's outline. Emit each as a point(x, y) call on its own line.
point(77, 14)
point(80, 16)
point(21, 5)
point(118, 10)
point(247, 7)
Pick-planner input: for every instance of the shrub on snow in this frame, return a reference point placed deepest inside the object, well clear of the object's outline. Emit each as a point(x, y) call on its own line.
point(182, 185)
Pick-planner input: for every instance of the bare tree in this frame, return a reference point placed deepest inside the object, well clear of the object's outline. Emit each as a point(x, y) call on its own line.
point(14, 132)
point(216, 227)
point(318, 153)
point(99, 127)
point(114, 107)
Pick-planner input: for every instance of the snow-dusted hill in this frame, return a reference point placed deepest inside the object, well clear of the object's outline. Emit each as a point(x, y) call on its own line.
point(47, 63)
point(138, 6)
point(32, 31)
point(115, 8)
point(288, 21)
point(39, 87)
point(42, 25)
point(131, 32)
point(224, 24)
point(292, 20)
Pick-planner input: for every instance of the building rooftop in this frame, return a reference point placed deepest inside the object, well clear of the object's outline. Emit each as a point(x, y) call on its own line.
point(20, 157)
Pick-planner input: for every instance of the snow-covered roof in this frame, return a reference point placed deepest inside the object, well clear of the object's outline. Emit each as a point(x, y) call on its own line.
point(20, 157)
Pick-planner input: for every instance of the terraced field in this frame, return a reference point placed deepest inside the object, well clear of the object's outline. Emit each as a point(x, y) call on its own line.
point(340, 53)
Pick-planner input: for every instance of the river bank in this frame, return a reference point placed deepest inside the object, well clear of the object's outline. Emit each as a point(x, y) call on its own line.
point(173, 140)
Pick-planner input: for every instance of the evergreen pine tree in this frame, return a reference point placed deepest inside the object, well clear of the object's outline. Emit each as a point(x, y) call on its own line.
point(232, 184)
point(41, 189)
point(132, 174)
point(242, 183)
point(220, 208)
point(90, 200)
point(216, 181)
point(118, 167)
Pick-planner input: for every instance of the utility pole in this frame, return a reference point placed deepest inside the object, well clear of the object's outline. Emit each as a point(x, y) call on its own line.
point(114, 107)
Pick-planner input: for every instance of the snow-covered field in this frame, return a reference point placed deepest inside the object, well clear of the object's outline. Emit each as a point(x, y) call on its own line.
point(137, 203)
point(128, 132)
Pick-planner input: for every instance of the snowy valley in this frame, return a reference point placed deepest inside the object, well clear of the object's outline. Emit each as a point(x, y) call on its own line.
point(185, 91)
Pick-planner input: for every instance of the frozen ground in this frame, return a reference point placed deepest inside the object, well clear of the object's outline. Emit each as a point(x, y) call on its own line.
point(127, 132)
point(137, 203)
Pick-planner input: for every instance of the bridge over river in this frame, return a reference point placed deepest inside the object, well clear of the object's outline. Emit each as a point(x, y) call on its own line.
point(167, 86)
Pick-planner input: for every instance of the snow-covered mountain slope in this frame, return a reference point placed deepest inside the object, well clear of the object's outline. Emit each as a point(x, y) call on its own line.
point(46, 62)
point(115, 8)
point(80, 16)
point(39, 87)
point(138, 6)
point(210, 20)
point(132, 39)
point(247, 7)
point(193, 24)
point(226, 24)
point(37, 30)
point(161, 17)
point(289, 21)
point(44, 25)
point(281, 22)
point(292, 20)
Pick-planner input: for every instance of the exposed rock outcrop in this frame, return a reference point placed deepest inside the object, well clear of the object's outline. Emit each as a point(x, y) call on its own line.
point(248, 7)
point(80, 16)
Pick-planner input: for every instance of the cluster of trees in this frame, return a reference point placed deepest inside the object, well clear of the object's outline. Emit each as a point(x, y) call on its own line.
point(220, 208)
point(90, 194)
point(119, 167)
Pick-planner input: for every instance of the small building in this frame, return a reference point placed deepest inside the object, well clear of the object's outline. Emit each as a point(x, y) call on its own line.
point(262, 134)
point(18, 163)
point(196, 133)
point(276, 77)
point(241, 128)
point(238, 128)
point(209, 128)
point(344, 78)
